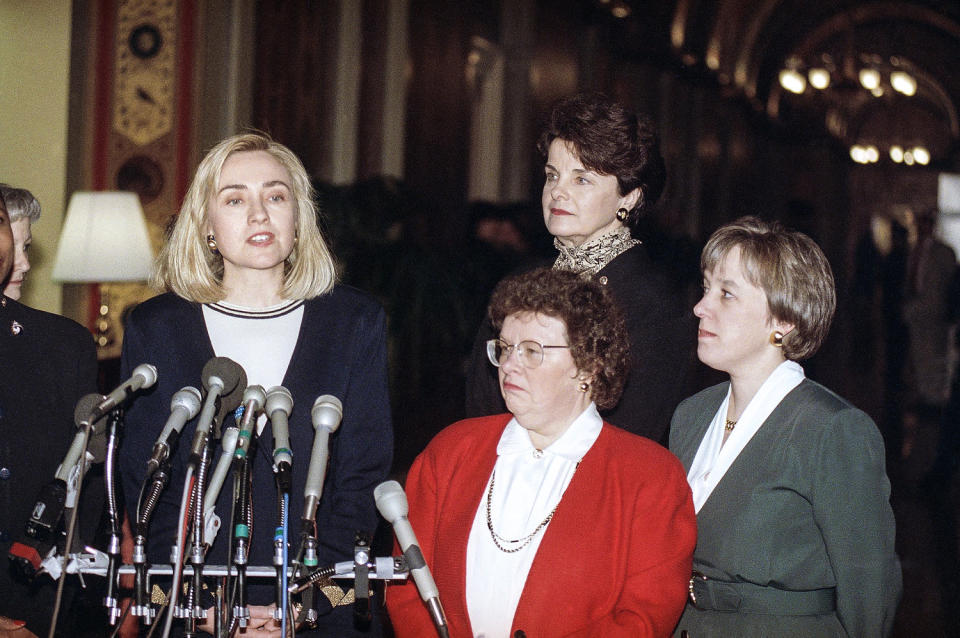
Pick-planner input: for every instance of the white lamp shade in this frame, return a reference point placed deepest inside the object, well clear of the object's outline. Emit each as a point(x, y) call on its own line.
point(104, 238)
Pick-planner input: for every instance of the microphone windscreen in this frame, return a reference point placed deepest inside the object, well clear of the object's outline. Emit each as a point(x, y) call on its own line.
point(97, 443)
point(327, 412)
point(230, 400)
point(228, 371)
point(391, 501)
point(234, 380)
point(85, 407)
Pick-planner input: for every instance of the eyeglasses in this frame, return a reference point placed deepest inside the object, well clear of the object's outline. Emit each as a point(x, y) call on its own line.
point(529, 352)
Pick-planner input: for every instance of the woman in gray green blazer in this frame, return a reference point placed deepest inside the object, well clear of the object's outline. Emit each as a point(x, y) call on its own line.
point(795, 531)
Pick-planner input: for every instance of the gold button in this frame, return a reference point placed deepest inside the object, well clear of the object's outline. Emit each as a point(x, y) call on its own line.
point(603, 280)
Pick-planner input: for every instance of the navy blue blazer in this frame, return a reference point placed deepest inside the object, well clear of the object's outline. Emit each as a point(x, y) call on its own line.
point(341, 350)
point(47, 362)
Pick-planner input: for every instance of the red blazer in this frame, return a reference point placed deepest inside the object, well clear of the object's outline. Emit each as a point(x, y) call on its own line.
point(614, 561)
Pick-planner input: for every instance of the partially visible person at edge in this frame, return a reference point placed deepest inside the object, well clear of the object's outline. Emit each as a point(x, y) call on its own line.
point(47, 363)
point(24, 210)
point(548, 521)
point(249, 277)
point(795, 530)
point(603, 171)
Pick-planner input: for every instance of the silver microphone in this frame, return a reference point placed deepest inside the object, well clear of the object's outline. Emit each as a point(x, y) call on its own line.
point(278, 406)
point(144, 376)
point(392, 504)
point(184, 405)
point(326, 415)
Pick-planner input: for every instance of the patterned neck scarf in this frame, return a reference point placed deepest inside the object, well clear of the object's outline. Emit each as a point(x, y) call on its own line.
point(589, 258)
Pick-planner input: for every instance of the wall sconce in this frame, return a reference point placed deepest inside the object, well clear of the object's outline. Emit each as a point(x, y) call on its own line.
point(104, 239)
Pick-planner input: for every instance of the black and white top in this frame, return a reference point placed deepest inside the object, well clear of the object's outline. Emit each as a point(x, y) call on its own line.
point(273, 330)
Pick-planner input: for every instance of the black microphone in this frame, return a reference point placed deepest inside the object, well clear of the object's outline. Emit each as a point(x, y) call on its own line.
point(184, 405)
point(326, 415)
point(278, 406)
point(392, 504)
point(220, 378)
point(144, 376)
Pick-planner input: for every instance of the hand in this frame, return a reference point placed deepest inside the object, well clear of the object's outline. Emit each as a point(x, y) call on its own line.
point(10, 628)
point(261, 622)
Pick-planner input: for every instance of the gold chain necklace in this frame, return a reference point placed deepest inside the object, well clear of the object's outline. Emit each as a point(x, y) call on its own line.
point(729, 425)
point(523, 542)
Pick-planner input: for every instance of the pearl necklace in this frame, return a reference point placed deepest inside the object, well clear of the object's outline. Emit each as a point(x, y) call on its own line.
point(519, 543)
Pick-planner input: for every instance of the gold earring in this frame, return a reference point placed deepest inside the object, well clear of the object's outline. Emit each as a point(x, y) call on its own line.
point(622, 215)
point(212, 244)
point(584, 386)
point(776, 339)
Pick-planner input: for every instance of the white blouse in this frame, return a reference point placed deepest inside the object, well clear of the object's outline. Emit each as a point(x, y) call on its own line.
point(529, 485)
point(261, 340)
point(714, 457)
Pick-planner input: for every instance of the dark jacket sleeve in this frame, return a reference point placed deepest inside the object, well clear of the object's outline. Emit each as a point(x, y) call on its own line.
point(851, 506)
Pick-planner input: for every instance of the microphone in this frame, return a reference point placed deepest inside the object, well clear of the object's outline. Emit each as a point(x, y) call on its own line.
point(253, 399)
point(97, 444)
point(278, 407)
point(184, 405)
point(392, 504)
point(220, 377)
point(144, 376)
point(60, 493)
point(211, 522)
point(326, 415)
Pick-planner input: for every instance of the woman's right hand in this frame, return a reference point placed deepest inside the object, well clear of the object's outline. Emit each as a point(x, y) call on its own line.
point(10, 628)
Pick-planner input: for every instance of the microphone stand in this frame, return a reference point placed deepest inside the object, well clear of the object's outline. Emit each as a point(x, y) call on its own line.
point(113, 514)
point(253, 400)
point(240, 529)
point(192, 610)
point(361, 581)
point(157, 481)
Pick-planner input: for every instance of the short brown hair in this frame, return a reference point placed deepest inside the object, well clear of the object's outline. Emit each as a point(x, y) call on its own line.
point(595, 327)
point(611, 140)
point(792, 271)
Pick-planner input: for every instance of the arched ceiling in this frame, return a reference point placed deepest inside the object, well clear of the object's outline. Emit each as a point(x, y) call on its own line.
point(744, 44)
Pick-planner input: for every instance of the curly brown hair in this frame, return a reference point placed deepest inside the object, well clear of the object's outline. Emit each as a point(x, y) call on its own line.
point(596, 331)
point(611, 140)
point(792, 271)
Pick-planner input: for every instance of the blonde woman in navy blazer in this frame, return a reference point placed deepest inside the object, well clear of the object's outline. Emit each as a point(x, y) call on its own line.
point(246, 251)
point(795, 535)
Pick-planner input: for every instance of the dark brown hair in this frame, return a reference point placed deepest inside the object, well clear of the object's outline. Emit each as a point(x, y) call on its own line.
point(611, 140)
point(791, 270)
point(596, 331)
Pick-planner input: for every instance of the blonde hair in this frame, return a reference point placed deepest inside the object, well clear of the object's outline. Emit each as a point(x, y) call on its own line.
point(187, 267)
point(792, 271)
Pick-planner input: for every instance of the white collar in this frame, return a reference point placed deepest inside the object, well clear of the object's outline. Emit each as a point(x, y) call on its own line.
point(714, 457)
point(571, 445)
